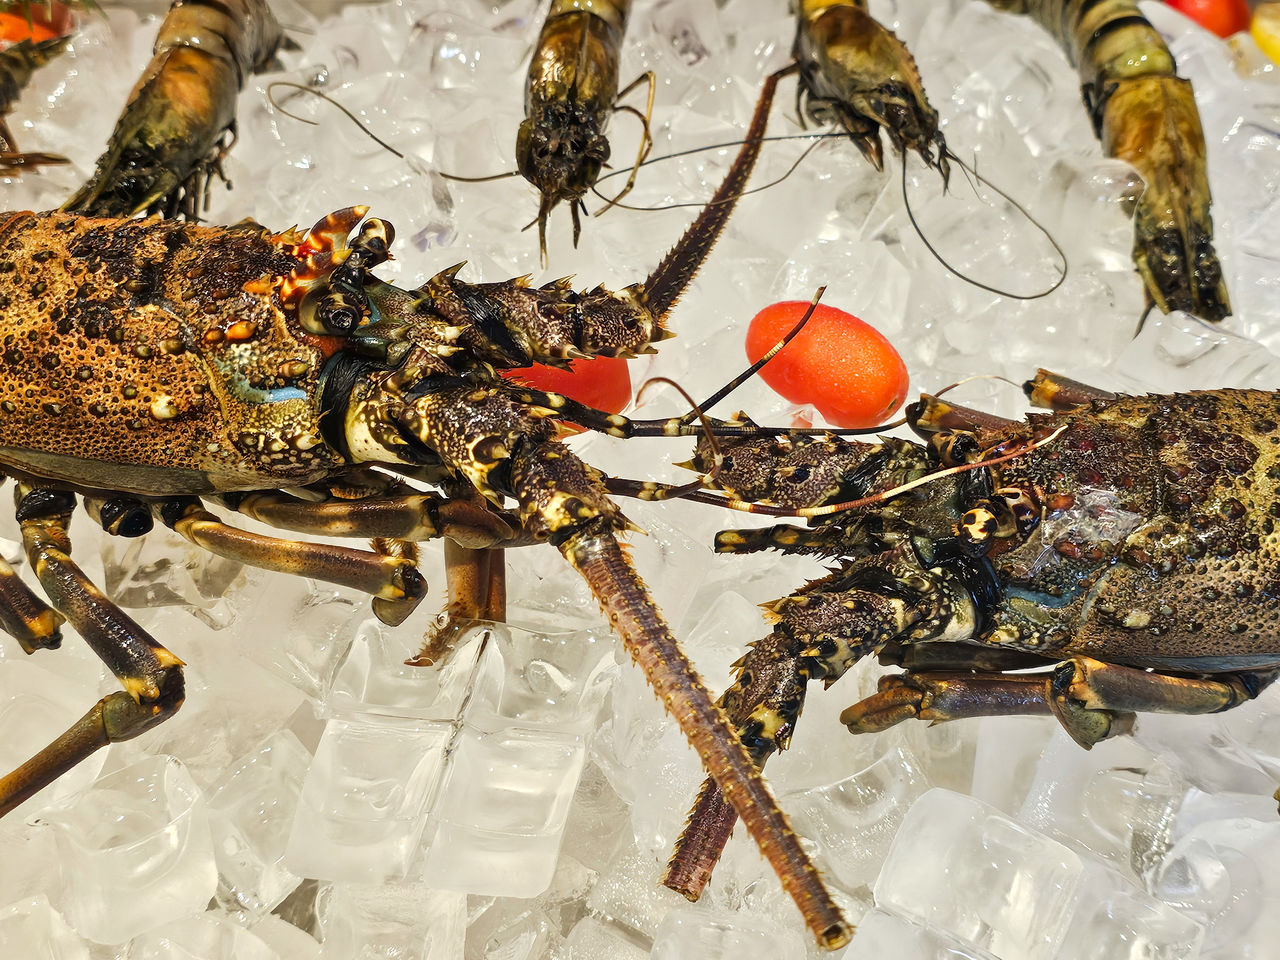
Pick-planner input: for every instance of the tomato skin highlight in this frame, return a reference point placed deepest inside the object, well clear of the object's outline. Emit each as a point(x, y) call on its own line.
point(1223, 17)
point(601, 382)
point(839, 364)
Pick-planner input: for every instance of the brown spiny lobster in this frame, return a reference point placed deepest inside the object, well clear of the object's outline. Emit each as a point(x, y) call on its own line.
point(1128, 544)
point(150, 364)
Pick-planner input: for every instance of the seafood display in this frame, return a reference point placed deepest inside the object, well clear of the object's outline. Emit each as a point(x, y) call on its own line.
point(316, 788)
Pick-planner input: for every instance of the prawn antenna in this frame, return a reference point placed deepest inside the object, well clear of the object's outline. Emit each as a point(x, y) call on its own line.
point(816, 137)
point(327, 99)
point(974, 175)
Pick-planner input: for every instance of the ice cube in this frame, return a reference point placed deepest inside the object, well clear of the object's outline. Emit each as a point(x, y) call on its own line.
point(629, 893)
point(591, 939)
point(136, 850)
point(884, 934)
point(1222, 872)
point(516, 764)
point(32, 928)
point(959, 865)
point(207, 936)
point(36, 705)
point(690, 933)
point(250, 812)
point(1117, 918)
point(373, 678)
point(1118, 800)
point(285, 939)
point(853, 821)
point(502, 812)
point(391, 922)
point(364, 801)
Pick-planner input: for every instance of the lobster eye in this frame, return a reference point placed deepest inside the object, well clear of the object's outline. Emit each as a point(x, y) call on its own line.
point(329, 313)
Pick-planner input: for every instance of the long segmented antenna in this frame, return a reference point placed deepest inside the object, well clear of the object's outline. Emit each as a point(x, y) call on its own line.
point(672, 275)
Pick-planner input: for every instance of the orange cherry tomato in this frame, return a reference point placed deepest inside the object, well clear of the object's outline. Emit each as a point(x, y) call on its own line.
point(842, 366)
point(1223, 17)
point(601, 382)
point(45, 24)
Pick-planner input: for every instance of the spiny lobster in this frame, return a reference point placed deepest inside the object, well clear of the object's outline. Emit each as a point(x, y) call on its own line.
point(151, 364)
point(1127, 543)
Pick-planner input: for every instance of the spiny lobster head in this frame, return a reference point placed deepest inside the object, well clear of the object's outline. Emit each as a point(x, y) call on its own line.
point(342, 306)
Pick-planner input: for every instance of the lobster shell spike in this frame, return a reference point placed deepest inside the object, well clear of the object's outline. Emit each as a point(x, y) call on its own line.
point(331, 231)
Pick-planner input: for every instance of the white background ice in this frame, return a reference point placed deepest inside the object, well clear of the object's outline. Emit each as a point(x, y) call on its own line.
point(274, 677)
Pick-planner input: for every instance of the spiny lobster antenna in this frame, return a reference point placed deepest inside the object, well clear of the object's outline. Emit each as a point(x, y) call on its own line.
point(670, 278)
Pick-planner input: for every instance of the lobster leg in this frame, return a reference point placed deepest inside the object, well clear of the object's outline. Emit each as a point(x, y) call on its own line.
point(393, 581)
point(24, 616)
point(415, 517)
point(1092, 700)
point(150, 674)
point(821, 632)
point(945, 695)
point(477, 591)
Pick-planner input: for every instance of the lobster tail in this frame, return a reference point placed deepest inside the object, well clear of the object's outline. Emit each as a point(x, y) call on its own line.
point(594, 552)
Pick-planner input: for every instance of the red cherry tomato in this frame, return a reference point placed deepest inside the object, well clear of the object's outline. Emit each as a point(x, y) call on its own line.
point(839, 364)
point(46, 23)
point(1223, 17)
point(601, 382)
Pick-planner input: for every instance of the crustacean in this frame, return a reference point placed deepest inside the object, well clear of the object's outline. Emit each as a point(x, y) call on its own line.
point(857, 73)
point(570, 94)
point(1126, 543)
point(179, 119)
point(156, 363)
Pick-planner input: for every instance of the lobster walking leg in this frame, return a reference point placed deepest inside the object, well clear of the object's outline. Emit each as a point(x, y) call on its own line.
point(477, 591)
point(1092, 700)
point(151, 675)
point(946, 696)
point(394, 581)
point(413, 516)
point(24, 616)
